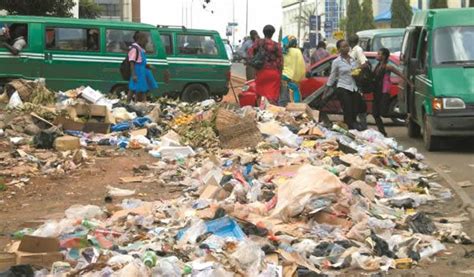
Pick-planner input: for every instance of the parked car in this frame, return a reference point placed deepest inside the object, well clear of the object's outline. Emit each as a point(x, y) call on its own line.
point(373, 40)
point(318, 75)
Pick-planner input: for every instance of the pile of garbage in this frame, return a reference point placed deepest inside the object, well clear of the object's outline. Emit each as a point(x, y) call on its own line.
point(265, 191)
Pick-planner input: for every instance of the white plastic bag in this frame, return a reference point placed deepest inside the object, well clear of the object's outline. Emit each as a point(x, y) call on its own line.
point(83, 212)
point(249, 256)
point(112, 191)
point(15, 101)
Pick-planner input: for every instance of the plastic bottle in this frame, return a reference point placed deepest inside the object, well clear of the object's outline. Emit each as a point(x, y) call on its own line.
point(89, 224)
point(18, 235)
point(149, 259)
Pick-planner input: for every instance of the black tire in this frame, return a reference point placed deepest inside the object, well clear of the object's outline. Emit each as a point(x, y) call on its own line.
point(195, 93)
point(394, 111)
point(414, 130)
point(432, 143)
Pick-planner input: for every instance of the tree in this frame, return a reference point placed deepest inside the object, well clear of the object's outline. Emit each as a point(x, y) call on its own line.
point(89, 9)
point(304, 20)
point(367, 16)
point(438, 4)
point(61, 8)
point(354, 16)
point(401, 13)
point(471, 3)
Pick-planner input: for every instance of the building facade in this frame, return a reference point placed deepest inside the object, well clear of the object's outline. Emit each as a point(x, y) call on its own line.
point(123, 10)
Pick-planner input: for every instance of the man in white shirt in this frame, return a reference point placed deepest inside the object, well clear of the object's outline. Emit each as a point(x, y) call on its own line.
point(19, 41)
point(357, 53)
point(246, 45)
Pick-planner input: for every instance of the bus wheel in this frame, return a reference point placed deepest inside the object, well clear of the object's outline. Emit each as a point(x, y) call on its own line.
point(117, 90)
point(195, 93)
point(431, 142)
point(414, 131)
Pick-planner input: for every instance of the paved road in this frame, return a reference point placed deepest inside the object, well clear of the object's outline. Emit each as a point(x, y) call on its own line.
point(456, 158)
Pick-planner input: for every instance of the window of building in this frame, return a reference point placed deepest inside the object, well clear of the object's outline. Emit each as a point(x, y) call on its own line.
point(167, 43)
point(74, 39)
point(197, 45)
point(119, 41)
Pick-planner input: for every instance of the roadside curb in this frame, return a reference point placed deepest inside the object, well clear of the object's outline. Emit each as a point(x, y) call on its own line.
point(467, 202)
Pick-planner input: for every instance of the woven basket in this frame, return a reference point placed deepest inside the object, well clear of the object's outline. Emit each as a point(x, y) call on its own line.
point(235, 132)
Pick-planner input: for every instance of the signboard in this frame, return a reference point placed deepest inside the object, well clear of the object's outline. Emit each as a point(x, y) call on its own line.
point(233, 24)
point(228, 31)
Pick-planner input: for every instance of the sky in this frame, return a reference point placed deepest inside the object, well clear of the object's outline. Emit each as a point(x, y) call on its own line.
point(173, 12)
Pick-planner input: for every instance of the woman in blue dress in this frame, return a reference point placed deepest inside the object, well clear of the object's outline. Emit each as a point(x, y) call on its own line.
point(141, 80)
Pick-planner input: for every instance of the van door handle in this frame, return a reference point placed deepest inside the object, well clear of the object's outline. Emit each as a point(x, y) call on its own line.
point(48, 57)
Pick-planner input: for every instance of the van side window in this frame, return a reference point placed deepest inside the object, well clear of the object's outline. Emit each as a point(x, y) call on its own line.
point(364, 43)
point(197, 45)
point(15, 34)
point(72, 39)
point(423, 54)
point(119, 41)
point(167, 43)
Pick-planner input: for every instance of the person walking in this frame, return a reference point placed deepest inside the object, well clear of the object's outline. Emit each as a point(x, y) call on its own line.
point(141, 80)
point(294, 71)
point(268, 77)
point(249, 71)
point(382, 86)
point(320, 53)
point(346, 88)
point(357, 53)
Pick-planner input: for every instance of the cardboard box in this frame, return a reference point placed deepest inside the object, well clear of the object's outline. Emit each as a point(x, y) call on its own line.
point(7, 260)
point(99, 119)
point(38, 251)
point(303, 107)
point(67, 143)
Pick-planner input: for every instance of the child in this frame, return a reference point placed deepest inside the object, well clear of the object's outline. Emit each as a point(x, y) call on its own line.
point(141, 80)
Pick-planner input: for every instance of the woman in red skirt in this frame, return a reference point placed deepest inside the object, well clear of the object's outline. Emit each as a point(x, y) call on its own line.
point(268, 78)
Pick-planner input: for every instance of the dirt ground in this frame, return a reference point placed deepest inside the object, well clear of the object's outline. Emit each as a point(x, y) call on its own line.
point(46, 198)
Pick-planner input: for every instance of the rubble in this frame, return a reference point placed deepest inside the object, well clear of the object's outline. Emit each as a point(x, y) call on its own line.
point(263, 192)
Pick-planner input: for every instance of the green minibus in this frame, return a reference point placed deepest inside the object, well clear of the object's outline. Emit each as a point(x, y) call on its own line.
point(373, 40)
point(198, 63)
point(438, 56)
point(70, 53)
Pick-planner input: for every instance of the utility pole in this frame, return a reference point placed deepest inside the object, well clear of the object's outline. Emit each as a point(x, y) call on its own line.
point(299, 19)
point(233, 21)
point(317, 22)
point(247, 18)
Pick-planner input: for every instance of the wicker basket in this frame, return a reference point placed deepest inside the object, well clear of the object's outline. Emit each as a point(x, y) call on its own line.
point(235, 132)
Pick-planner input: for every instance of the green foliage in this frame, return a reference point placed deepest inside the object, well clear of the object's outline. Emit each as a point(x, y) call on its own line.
point(438, 4)
point(89, 9)
point(401, 13)
point(354, 16)
point(367, 16)
point(61, 8)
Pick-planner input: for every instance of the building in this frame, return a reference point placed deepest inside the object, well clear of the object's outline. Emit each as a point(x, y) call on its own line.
point(124, 10)
point(328, 11)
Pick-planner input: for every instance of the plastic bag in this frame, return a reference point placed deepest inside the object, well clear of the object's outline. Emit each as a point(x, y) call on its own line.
point(112, 191)
point(198, 227)
point(83, 212)
point(51, 229)
point(167, 267)
point(250, 257)
point(133, 269)
point(15, 101)
point(284, 134)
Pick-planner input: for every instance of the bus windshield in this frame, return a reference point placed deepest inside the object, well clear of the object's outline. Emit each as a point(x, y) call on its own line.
point(453, 45)
point(391, 43)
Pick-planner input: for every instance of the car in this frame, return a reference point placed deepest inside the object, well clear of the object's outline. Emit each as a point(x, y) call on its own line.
point(372, 40)
point(317, 76)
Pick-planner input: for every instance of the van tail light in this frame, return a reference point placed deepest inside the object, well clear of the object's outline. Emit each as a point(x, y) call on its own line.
point(228, 75)
point(166, 76)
